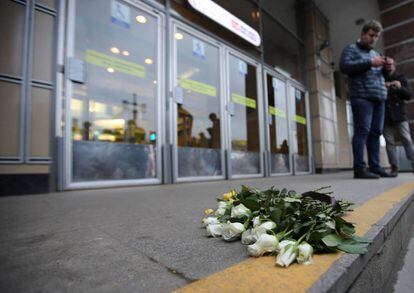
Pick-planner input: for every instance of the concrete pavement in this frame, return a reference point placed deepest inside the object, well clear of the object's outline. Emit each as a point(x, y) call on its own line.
point(141, 239)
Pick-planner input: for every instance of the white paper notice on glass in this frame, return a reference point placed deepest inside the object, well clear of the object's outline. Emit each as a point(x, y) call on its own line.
point(242, 67)
point(198, 48)
point(298, 95)
point(274, 83)
point(120, 14)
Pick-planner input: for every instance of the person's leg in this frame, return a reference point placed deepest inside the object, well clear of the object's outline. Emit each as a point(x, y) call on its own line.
point(373, 140)
point(362, 117)
point(404, 130)
point(390, 145)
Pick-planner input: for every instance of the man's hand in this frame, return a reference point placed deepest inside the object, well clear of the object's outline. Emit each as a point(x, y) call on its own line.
point(394, 83)
point(378, 61)
point(389, 63)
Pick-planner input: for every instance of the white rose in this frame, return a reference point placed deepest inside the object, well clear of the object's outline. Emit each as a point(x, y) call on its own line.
point(284, 243)
point(232, 231)
point(266, 243)
point(209, 220)
point(256, 222)
point(239, 211)
point(262, 229)
point(305, 253)
point(214, 230)
point(221, 208)
point(247, 237)
point(287, 254)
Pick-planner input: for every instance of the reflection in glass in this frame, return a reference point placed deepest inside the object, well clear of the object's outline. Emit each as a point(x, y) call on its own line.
point(43, 46)
point(10, 119)
point(114, 114)
point(40, 122)
point(299, 130)
point(245, 139)
point(278, 129)
point(12, 34)
point(198, 116)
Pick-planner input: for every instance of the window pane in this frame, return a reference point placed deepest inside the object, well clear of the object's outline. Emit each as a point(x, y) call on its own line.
point(282, 50)
point(9, 119)
point(245, 138)
point(114, 113)
point(12, 34)
point(299, 129)
point(48, 3)
point(198, 122)
point(278, 129)
point(40, 122)
point(43, 46)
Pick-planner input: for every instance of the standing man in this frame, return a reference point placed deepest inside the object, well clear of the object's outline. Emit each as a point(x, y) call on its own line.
point(365, 69)
point(396, 120)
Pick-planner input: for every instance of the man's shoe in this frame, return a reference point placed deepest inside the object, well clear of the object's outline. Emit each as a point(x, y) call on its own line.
point(394, 171)
point(365, 174)
point(382, 173)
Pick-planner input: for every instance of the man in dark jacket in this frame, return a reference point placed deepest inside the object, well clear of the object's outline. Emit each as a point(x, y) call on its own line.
point(365, 69)
point(396, 120)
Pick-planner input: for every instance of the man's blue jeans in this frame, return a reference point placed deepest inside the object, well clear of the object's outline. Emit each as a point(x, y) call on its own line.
point(368, 125)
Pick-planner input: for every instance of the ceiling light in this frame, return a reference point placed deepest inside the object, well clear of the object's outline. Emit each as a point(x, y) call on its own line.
point(141, 19)
point(179, 36)
point(148, 61)
point(115, 50)
point(125, 53)
point(110, 69)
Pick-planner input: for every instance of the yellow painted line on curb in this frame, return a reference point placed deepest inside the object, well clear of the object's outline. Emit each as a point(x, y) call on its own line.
point(262, 274)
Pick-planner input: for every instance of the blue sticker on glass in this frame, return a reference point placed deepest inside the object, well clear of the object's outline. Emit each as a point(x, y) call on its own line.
point(242, 67)
point(198, 48)
point(120, 14)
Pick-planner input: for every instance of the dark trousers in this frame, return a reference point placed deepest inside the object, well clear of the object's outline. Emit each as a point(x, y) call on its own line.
point(403, 129)
point(368, 119)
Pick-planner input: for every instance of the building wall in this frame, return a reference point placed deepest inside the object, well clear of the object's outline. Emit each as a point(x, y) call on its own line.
point(26, 90)
point(397, 17)
point(322, 90)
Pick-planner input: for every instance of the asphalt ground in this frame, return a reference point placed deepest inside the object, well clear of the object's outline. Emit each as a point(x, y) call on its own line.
point(140, 239)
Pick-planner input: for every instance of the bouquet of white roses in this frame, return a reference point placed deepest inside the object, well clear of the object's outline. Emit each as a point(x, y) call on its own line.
point(284, 223)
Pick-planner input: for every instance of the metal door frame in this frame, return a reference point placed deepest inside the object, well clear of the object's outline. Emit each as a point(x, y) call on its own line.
point(175, 25)
point(67, 180)
point(227, 97)
point(285, 80)
point(295, 85)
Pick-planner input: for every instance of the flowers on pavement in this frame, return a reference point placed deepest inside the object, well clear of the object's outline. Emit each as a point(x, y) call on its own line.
point(283, 223)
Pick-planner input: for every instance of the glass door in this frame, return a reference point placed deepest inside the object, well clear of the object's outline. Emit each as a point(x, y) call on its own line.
point(113, 94)
point(299, 127)
point(243, 107)
point(277, 126)
point(198, 143)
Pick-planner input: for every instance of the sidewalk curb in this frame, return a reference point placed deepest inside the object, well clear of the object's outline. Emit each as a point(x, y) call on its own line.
point(370, 272)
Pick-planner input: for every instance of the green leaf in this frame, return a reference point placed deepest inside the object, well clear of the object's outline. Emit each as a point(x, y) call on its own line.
point(347, 229)
point(224, 218)
point(252, 203)
point(332, 240)
point(292, 199)
point(276, 215)
point(359, 248)
point(361, 239)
